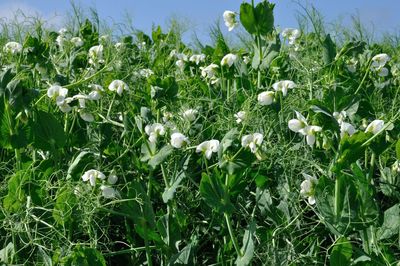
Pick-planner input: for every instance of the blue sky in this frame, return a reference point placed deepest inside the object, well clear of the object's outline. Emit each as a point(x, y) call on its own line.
point(200, 14)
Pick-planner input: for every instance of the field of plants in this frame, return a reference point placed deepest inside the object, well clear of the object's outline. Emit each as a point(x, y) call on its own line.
point(267, 147)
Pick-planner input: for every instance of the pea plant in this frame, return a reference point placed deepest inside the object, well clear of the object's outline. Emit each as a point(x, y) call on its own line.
point(143, 150)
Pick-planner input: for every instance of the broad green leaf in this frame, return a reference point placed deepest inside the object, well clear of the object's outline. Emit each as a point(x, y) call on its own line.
point(16, 196)
point(79, 163)
point(398, 149)
point(248, 246)
point(160, 157)
point(351, 149)
point(169, 192)
point(48, 133)
point(329, 51)
point(391, 223)
point(64, 208)
point(213, 192)
point(84, 256)
point(341, 252)
point(7, 253)
point(264, 16)
point(247, 18)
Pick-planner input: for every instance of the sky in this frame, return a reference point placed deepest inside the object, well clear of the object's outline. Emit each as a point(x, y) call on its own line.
point(199, 15)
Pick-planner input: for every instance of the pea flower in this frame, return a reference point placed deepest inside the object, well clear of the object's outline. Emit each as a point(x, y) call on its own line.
point(95, 94)
point(208, 147)
point(86, 116)
point(208, 71)
point(180, 64)
point(190, 114)
point(154, 130)
point(108, 192)
point(197, 58)
point(379, 61)
point(76, 41)
point(230, 19)
point(283, 86)
point(240, 116)
point(252, 141)
point(352, 65)
point(377, 125)
point(246, 59)
point(146, 72)
point(60, 40)
point(13, 48)
point(96, 54)
point(291, 34)
point(119, 86)
point(266, 97)
point(62, 31)
point(178, 140)
point(92, 175)
point(228, 60)
point(301, 126)
point(346, 128)
point(307, 188)
point(63, 103)
point(55, 91)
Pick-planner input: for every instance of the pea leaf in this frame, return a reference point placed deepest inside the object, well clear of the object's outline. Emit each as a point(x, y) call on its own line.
point(341, 252)
point(248, 246)
point(48, 133)
point(247, 18)
point(214, 194)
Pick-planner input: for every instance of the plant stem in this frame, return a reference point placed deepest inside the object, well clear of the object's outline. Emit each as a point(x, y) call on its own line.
point(337, 197)
point(233, 238)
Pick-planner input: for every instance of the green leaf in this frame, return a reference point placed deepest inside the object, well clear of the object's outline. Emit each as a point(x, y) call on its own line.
point(64, 208)
point(398, 149)
point(391, 223)
point(161, 156)
point(214, 194)
point(16, 196)
point(169, 192)
point(264, 17)
point(80, 162)
point(248, 246)
point(351, 149)
point(329, 51)
point(341, 252)
point(48, 133)
point(7, 253)
point(84, 256)
point(247, 18)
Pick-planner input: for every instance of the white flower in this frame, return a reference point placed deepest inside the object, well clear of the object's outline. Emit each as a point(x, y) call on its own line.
point(60, 40)
point(266, 97)
point(108, 192)
point(112, 179)
point(340, 116)
point(297, 124)
point(346, 128)
point(383, 72)
point(86, 116)
point(82, 99)
point(283, 86)
point(146, 72)
point(252, 141)
point(62, 31)
point(208, 71)
point(307, 188)
point(181, 56)
point(63, 103)
point(154, 130)
point(291, 34)
point(76, 41)
point(197, 58)
point(379, 61)
point(95, 94)
point(119, 86)
point(352, 65)
point(228, 60)
point(376, 126)
point(301, 126)
point(240, 116)
point(92, 175)
point(12, 47)
point(178, 140)
point(190, 114)
point(96, 54)
point(180, 64)
point(396, 167)
point(55, 90)
point(208, 147)
point(119, 45)
point(230, 19)
point(246, 59)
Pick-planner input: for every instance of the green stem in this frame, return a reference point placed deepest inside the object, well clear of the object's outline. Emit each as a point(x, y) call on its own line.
point(362, 81)
point(233, 238)
point(337, 197)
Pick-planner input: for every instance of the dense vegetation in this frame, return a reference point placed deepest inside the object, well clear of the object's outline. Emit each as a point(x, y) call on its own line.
point(281, 148)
